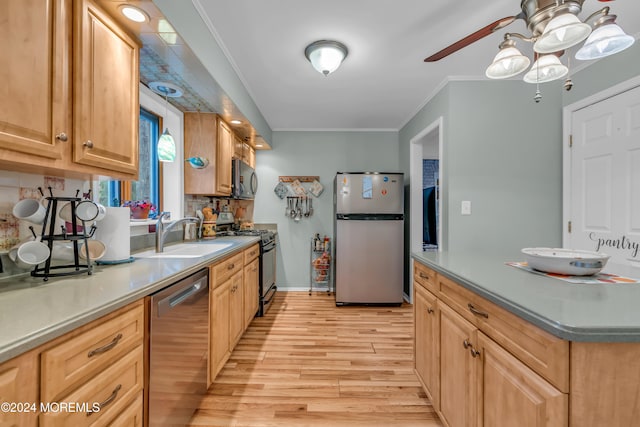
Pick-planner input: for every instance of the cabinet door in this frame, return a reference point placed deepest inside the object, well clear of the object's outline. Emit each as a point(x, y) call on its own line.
point(458, 370)
point(250, 291)
point(238, 147)
point(219, 327)
point(514, 395)
point(106, 107)
point(35, 77)
point(249, 155)
point(19, 384)
point(236, 316)
point(427, 346)
point(223, 159)
point(200, 130)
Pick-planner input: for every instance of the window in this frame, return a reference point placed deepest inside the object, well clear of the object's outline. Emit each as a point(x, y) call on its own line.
point(114, 193)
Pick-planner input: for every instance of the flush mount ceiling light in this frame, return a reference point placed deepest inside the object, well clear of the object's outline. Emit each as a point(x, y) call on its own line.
point(133, 13)
point(326, 55)
point(166, 144)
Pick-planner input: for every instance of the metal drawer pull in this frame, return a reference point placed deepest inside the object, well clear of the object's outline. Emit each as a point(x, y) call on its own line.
point(474, 352)
point(105, 347)
point(466, 344)
point(108, 400)
point(477, 312)
point(231, 266)
point(88, 144)
point(423, 276)
point(430, 310)
point(62, 137)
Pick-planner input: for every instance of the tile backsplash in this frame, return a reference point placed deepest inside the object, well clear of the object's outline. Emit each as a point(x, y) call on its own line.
point(16, 186)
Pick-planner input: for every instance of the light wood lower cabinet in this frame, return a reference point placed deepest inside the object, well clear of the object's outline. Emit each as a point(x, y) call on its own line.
point(492, 367)
point(458, 370)
point(219, 309)
point(236, 310)
point(251, 291)
point(427, 345)
point(514, 395)
point(19, 385)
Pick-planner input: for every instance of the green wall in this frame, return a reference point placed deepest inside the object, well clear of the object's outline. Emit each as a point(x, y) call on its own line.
point(322, 154)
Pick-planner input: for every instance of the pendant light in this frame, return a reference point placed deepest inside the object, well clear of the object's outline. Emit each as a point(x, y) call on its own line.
point(562, 32)
point(166, 144)
point(546, 68)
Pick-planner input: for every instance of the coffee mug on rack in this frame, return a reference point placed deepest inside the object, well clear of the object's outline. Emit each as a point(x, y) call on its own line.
point(30, 210)
point(32, 253)
point(86, 210)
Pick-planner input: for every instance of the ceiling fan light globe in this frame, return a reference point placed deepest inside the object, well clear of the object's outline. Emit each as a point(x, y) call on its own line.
point(546, 69)
point(508, 62)
point(561, 33)
point(604, 41)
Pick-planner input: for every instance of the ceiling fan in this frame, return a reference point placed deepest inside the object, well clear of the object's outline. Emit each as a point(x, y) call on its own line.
point(536, 14)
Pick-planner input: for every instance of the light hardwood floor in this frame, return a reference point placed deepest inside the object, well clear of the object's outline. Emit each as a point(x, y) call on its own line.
point(310, 363)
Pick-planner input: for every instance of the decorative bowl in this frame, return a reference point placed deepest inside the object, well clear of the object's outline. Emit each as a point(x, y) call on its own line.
point(573, 262)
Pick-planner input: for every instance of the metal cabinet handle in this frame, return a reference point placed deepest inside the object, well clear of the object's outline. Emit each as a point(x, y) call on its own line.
point(88, 144)
point(231, 266)
point(62, 137)
point(430, 310)
point(105, 348)
point(474, 352)
point(423, 276)
point(107, 401)
point(477, 312)
point(466, 343)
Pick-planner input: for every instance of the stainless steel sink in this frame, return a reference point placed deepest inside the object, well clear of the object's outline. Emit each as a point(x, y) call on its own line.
point(185, 250)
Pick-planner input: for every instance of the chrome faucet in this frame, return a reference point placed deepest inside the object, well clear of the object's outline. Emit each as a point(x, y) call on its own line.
point(162, 230)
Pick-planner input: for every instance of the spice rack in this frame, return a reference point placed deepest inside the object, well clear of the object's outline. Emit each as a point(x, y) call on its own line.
point(320, 273)
point(49, 236)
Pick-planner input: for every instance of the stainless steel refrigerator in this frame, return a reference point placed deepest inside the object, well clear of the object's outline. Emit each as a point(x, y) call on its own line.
point(368, 237)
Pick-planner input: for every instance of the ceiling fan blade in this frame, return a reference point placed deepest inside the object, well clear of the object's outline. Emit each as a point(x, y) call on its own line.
point(474, 37)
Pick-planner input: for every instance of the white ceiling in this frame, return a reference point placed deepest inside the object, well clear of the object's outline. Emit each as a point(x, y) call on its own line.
point(384, 81)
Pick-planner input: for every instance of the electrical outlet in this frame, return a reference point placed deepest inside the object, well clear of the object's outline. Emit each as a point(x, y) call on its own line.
point(466, 207)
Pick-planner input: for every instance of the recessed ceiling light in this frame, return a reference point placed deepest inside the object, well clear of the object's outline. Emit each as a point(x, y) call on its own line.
point(133, 13)
point(236, 122)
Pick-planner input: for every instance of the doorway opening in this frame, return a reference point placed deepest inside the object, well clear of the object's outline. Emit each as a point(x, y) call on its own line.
point(426, 148)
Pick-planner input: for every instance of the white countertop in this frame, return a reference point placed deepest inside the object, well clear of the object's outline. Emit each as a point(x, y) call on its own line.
point(576, 312)
point(33, 311)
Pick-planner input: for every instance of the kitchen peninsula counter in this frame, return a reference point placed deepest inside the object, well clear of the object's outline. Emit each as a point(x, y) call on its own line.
point(33, 311)
point(574, 312)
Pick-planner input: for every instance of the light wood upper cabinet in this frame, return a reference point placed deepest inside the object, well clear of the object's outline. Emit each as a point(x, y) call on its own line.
point(223, 158)
point(105, 92)
point(206, 135)
point(19, 384)
point(249, 155)
point(35, 77)
point(67, 115)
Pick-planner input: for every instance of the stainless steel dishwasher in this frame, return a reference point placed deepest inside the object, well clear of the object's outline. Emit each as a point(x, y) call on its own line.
point(178, 350)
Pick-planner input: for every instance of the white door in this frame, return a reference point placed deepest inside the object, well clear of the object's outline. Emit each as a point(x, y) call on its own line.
point(605, 177)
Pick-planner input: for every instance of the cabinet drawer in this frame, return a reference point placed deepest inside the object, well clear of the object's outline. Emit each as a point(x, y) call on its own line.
point(251, 253)
point(541, 351)
point(131, 416)
point(227, 268)
point(73, 361)
point(426, 277)
point(111, 391)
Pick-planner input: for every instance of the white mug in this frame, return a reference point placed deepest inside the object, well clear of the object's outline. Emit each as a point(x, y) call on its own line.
point(102, 212)
point(86, 210)
point(32, 253)
point(30, 210)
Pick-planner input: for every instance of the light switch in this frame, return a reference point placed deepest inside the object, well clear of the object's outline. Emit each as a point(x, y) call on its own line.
point(466, 207)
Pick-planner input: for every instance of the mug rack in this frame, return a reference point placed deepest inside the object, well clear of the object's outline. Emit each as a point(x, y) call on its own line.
point(49, 236)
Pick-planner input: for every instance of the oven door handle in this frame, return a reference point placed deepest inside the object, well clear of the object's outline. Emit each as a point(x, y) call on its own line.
point(269, 247)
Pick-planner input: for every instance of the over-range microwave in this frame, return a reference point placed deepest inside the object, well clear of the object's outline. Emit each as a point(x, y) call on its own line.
point(245, 181)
